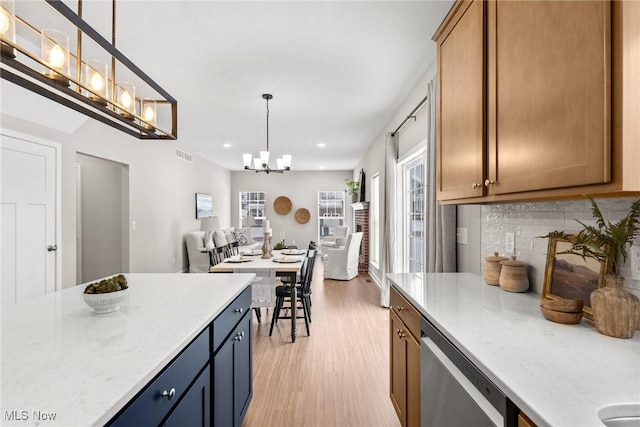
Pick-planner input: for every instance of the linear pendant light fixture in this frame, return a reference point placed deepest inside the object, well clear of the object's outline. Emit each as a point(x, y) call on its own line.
point(90, 86)
point(261, 164)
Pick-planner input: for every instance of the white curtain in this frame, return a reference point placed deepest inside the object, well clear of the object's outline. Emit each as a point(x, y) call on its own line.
point(440, 219)
point(389, 238)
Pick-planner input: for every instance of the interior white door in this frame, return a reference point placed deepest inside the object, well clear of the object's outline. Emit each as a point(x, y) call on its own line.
point(28, 191)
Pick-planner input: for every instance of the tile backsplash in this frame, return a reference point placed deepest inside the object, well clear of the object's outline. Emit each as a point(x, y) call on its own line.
point(532, 219)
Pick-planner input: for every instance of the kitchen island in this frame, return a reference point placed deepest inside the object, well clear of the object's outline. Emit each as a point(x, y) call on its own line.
point(64, 365)
point(559, 375)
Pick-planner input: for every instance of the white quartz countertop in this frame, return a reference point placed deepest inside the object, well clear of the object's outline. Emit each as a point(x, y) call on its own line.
point(71, 367)
point(559, 375)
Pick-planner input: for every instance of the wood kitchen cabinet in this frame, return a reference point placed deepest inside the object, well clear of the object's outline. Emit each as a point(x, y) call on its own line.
point(461, 71)
point(405, 360)
point(536, 100)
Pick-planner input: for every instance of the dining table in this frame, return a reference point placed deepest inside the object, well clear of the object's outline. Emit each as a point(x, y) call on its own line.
point(286, 263)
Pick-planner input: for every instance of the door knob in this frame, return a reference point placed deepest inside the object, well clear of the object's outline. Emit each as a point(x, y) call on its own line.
point(488, 182)
point(476, 185)
point(52, 248)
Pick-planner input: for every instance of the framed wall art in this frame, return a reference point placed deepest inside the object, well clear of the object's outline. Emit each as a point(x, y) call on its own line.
point(204, 205)
point(570, 276)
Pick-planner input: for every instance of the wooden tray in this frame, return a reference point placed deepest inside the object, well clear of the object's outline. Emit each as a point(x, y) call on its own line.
point(302, 216)
point(282, 205)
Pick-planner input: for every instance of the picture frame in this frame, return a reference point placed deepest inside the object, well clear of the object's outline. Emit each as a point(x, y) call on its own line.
point(204, 205)
point(570, 276)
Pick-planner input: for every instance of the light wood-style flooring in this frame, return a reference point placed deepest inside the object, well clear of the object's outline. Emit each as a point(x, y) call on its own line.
point(338, 376)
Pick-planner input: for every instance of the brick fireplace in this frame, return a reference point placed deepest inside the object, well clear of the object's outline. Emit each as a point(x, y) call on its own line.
point(361, 224)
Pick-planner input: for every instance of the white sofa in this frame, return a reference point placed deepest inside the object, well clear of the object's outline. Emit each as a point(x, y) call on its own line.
point(342, 263)
point(199, 261)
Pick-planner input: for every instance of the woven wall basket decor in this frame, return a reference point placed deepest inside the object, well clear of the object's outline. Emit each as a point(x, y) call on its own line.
point(302, 216)
point(282, 205)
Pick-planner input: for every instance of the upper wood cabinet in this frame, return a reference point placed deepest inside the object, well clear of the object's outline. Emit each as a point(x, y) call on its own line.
point(554, 120)
point(461, 71)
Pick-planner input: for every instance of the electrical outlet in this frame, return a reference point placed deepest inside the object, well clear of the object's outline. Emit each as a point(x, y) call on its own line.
point(635, 262)
point(461, 235)
point(510, 246)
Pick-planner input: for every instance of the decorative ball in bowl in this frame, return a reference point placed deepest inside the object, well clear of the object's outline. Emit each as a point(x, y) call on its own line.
point(106, 295)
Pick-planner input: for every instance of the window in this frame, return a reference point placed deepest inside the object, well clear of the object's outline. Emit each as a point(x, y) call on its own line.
point(251, 212)
point(413, 216)
point(330, 212)
point(374, 222)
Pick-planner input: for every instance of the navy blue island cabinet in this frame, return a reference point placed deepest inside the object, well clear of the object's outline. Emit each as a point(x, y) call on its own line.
point(208, 384)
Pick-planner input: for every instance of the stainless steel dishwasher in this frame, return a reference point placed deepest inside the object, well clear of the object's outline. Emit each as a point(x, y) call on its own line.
point(454, 392)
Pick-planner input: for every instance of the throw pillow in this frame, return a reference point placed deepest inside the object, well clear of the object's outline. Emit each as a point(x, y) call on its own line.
point(208, 240)
point(228, 234)
point(219, 238)
point(240, 236)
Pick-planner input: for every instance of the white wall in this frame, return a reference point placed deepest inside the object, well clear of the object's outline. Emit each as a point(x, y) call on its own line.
point(101, 210)
point(161, 194)
point(301, 188)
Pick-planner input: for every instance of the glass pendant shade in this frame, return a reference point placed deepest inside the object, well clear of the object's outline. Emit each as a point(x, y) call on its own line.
point(8, 26)
point(279, 163)
point(246, 159)
point(286, 160)
point(264, 157)
point(149, 113)
point(126, 99)
point(257, 163)
point(96, 78)
point(55, 51)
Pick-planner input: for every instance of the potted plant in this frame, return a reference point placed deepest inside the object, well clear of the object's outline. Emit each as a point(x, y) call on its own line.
point(615, 310)
point(353, 188)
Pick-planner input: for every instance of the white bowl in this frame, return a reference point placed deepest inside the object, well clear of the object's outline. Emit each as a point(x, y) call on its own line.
point(105, 303)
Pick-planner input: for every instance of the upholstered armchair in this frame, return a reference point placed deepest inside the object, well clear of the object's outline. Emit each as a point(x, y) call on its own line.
point(338, 239)
point(197, 252)
point(342, 263)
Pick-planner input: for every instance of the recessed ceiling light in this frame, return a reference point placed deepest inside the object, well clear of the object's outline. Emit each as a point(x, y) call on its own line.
point(320, 167)
point(321, 144)
point(226, 145)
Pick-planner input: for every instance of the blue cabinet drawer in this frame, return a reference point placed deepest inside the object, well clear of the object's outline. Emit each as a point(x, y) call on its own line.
point(229, 318)
point(150, 407)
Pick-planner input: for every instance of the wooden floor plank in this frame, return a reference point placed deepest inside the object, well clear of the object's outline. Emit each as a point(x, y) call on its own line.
point(341, 375)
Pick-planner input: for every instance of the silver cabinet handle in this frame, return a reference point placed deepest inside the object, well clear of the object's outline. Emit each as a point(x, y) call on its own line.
point(52, 248)
point(239, 336)
point(239, 310)
point(488, 182)
point(169, 394)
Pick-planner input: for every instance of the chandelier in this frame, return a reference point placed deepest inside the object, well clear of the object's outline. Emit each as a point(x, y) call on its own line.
point(45, 62)
point(261, 164)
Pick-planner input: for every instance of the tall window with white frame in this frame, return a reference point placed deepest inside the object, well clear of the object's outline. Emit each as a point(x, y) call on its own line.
point(331, 209)
point(251, 212)
point(414, 207)
point(374, 222)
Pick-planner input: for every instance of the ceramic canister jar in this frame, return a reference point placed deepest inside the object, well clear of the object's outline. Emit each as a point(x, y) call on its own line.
point(513, 275)
point(492, 269)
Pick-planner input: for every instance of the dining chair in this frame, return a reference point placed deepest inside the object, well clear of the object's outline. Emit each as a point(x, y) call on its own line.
point(217, 255)
point(231, 249)
point(283, 294)
point(263, 289)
